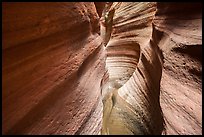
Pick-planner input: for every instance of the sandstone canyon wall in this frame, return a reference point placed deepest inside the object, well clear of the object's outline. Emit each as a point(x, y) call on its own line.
point(59, 78)
point(179, 31)
point(52, 67)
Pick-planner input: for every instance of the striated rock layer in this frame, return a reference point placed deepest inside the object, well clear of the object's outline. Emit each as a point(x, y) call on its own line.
point(52, 68)
point(179, 32)
point(101, 68)
point(132, 93)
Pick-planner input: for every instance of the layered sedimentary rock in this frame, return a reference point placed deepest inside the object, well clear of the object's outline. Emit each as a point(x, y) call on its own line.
point(179, 36)
point(177, 33)
point(144, 57)
point(131, 95)
point(52, 68)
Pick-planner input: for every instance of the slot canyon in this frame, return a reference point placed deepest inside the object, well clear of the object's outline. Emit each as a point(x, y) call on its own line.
point(92, 68)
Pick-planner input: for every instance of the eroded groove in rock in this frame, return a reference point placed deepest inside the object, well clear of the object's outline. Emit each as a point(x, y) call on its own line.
point(53, 66)
point(177, 29)
point(45, 91)
point(131, 96)
point(180, 27)
point(123, 49)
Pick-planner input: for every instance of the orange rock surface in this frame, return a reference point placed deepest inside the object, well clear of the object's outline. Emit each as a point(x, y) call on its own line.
point(52, 67)
point(55, 67)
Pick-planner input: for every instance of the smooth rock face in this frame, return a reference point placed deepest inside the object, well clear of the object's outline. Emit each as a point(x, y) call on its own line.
point(55, 67)
point(131, 96)
point(52, 68)
point(177, 34)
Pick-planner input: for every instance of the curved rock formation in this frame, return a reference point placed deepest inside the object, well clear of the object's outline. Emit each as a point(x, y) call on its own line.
point(131, 95)
point(52, 67)
point(179, 32)
point(144, 57)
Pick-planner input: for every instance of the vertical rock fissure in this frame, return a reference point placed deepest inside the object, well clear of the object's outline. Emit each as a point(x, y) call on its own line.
point(110, 92)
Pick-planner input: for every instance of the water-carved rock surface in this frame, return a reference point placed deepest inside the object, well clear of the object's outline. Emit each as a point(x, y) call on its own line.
point(55, 67)
point(131, 96)
point(179, 28)
point(52, 68)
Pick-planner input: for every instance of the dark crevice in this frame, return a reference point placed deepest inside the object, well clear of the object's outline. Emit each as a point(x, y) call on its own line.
point(194, 51)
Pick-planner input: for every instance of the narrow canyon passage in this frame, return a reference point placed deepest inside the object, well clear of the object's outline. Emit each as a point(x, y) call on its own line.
point(95, 68)
point(130, 107)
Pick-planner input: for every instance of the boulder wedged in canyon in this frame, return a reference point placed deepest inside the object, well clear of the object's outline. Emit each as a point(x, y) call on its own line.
point(144, 57)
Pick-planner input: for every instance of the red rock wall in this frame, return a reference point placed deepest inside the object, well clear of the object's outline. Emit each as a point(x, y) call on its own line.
point(179, 36)
point(52, 68)
point(99, 7)
point(53, 62)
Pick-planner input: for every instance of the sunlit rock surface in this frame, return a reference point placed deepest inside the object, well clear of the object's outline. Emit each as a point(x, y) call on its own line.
point(55, 67)
point(134, 64)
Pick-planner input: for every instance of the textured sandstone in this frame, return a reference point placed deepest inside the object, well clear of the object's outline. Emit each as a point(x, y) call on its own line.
point(99, 7)
point(179, 33)
point(55, 67)
point(131, 96)
point(52, 67)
